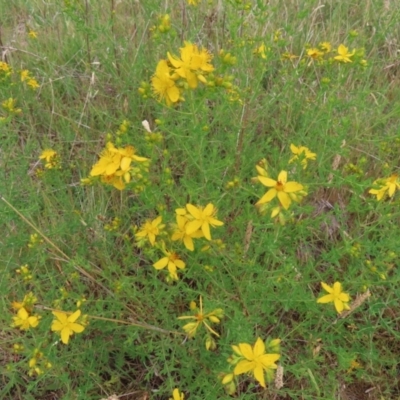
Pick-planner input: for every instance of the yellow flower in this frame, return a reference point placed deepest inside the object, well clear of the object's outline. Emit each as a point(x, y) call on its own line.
point(202, 219)
point(66, 325)
point(388, 186)
point(201, 318)
point(150, 229)
point(9, 105)
point(50, 157)
point(24, 321)
point(32, 34)
point(47, 155)
point(192, 3)
point(191, 63)
point(180, 231)
point(302, 153)
point(164, 84)
point(344, 55)
point(114, 165)
point(314, 53)
point(261, 51)
point(281, 188)
point(5, 67)
point(172, 262)
point(255, 360)
point(339, 298)
point(176, 395)
point(165, 23)
point(29, 299)
point(33, 84)
point(24, 75)
point(326, 47)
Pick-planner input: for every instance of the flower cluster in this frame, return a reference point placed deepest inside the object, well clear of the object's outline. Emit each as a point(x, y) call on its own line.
point(323, 53)
point(64, 324)
point(192, 222)
point(117, 166)
point(50, 158)
point(174, 74)
point(28, 79)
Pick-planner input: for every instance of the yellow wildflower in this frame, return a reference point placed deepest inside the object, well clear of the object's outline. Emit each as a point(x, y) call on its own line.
point(301, 153)
point(201, 318)
point(388, 187)
point(150, 230)
point(261, 51)
point(66, 325)
point(50, 157)
point(32, 34)
point(5, 67)
point(315, 54)
point(255, 360)
point(180, 231)
point(24, 321)
point(165, 23)
point(29, 299)
point(336, 295)
point(176, 395)
point(280, 188)
point(172, 261)
point(202, 219)
point(33, 83)
point(326, 47)
point(164, 84)
point(24, 75)
point(9, 105)
point(191, 64)
point(343, 54)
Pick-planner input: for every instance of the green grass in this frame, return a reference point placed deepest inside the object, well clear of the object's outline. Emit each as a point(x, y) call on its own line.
point(90, 59)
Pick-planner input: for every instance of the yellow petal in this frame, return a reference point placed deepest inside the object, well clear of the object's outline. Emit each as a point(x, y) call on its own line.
point(259, 375)
point(338, 305)
point(282, 177)
point(292, 187)
point(268, 182)
point(327, 287)
point(270, 195)
point(76, 327)
point(243, 366)
point(284, 199)
point(160, 264)
point(326, 299)
point(194, 211)
point(65, 334)
point(205, 228)
point(247, 351)
point(193, 226)
point(259, 347)
point(74, 316)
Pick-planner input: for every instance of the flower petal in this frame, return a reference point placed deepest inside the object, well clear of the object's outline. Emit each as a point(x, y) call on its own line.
point(259, 348)
point(270, 195)
point(268, 182)
point(259, 375)
point(247, 351)
point(284, 199)
point(282, 177)
point(326, 299)
point(327, 287)
point(244, 366)
point(293, 187)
